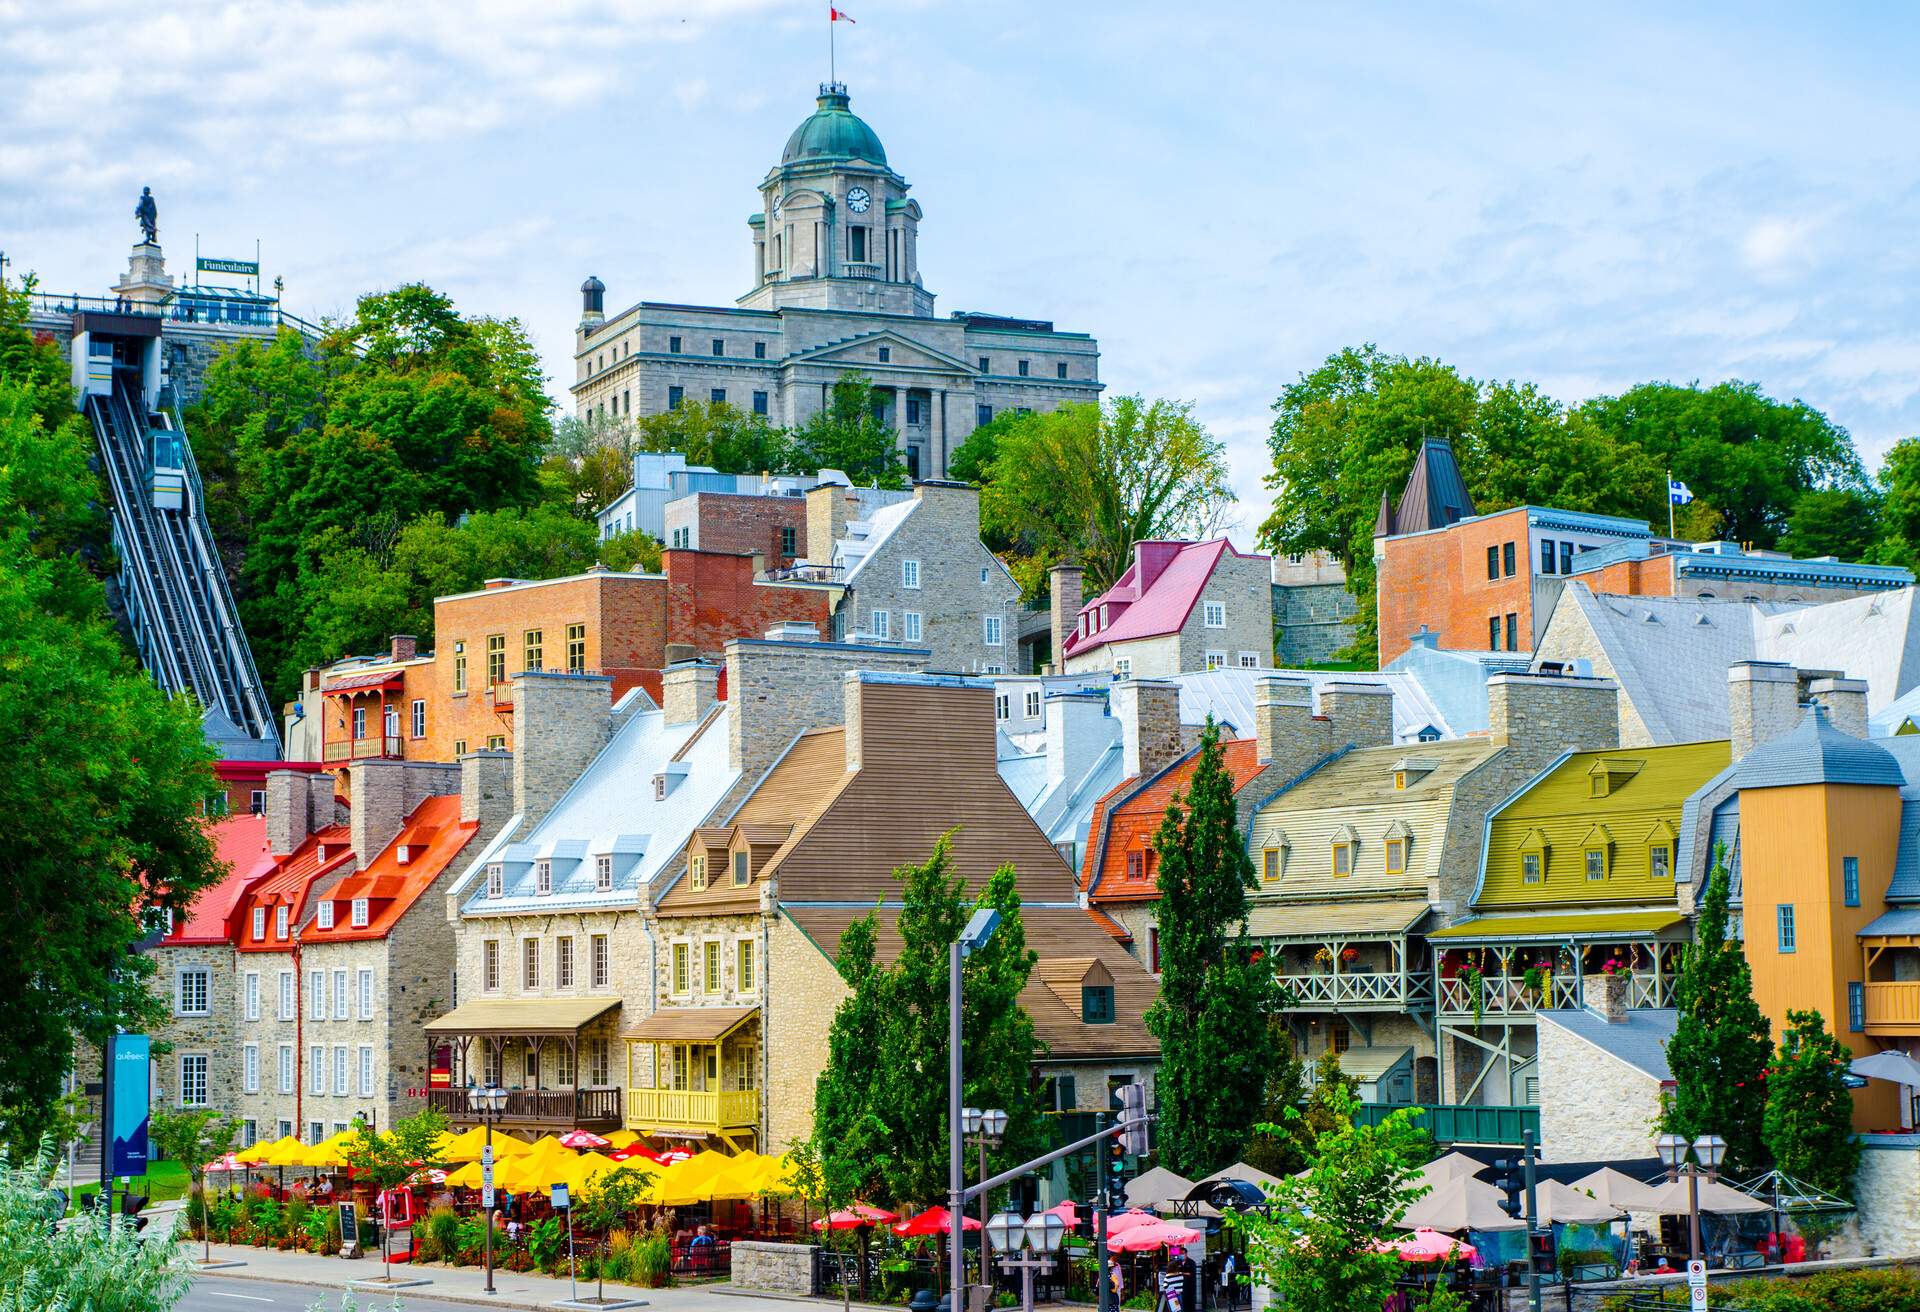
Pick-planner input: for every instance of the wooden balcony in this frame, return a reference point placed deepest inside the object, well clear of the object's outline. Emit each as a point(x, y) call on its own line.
point(1506, 997)
point(693, 1109)
point(379, 747)
point(1893, 1008)
point(1360, 991)
point(585, 1109)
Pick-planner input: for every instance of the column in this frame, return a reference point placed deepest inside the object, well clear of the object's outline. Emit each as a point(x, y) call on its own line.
point(899, 395)
point(937, 433)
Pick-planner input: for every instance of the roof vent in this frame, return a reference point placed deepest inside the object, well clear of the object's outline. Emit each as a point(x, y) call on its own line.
point(403, 854)
point(793, 631)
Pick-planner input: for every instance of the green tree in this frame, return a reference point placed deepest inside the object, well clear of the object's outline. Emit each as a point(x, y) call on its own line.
point(1330, 1086)
point(1899, 527)
point(1835, 521)
point(880, 1127)
point(1215, 991)
point(847, 435)
point(1279, 1146)
point(722, 436)
point(1809, 1121)
point(1324, 1245)
point(1721, 1042)
point(37, 365)
point(589, 463)
point(638, 550)
point(389, 1158)
point(92, 1262)
point(192, 1137)
point(1085, 482)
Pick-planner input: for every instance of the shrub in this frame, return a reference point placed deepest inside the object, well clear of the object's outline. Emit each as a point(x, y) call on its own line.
point(323, 1230)
point(547, 1242)
point(617, 1262)
point(439, 1235)
point(1889, 1290)
point(469, 1235)
point(652, 1260)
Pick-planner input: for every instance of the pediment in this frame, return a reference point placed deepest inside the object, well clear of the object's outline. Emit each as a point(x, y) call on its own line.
point(858, 353)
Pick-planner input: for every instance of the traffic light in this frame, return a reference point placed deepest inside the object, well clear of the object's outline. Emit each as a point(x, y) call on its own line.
point(1116, 1166)
point(1540, 1248)
point(1509, 1181)
point(1133, 1107)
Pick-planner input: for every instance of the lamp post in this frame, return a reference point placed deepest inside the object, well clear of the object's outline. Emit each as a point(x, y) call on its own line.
point(1039, 1236)
point(983, 1130)
point(975, 936)
point(487, 1103)
point(1676, 1154)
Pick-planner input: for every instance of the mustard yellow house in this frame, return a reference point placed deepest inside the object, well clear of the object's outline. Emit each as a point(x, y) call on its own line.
point(1577, 881)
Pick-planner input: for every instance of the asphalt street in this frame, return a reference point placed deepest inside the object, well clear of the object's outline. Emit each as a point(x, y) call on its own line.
point(211, 1293)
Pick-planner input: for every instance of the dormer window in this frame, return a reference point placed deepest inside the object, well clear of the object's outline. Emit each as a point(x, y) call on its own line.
point(741, 871)
point(326, 915)
point(403, 854)
point(1096, 1004)
point(1529, 867)
point(320, 852)
point(1342, 860)
point(659, 788)
point(280, 921)
point(1410, 771)
point(1400, 781)
point(1396, 856)
point(360, 907)
point(543, 877)
point(496, 879)
point(259, 922)
point(603, 874)
point(697, 873)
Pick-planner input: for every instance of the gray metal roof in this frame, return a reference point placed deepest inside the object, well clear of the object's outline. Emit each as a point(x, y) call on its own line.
point(1435, 495)
point(1699, 814)
point(1900, 920)
point(1640, 1040)
point(1815, 752)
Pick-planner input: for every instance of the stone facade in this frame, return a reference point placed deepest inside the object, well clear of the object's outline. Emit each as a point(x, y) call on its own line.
point(1593, 1106)
point(1886, 1190)
point(279, 1035)
point(1242, 587)
point(198, 1032)
point(777, 691)
point(1228, 624)
point(1312, 622)
point(803, 991)
point(773, 1268)
point(1570, 637)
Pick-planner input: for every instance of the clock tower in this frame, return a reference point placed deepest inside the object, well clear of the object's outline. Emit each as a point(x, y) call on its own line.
point(836, 230)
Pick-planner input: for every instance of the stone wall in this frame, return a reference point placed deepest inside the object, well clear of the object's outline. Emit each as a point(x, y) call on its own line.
point(268, 1106)
point(777, 689)
point(802, 992)
point(776, 1268)
point(210, 1035)
point(1312, 622)
point(1886, 1189)
point(1593, 1106)
point(1243, 586)
point(1569, 637)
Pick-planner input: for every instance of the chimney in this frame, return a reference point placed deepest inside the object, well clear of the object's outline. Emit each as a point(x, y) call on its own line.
point(688, 690)
point(1846, 703)
point(291, 808)
point(829, 507)
point(1606, 996)
point(1286, 735)
point(793, 631)
point(1424, 637)
point(676, 652)
point(1067, 593)
point(1075, 726)
point(486, 793)
point(560, 723)
point(1359, 713)
point(384, 794)
point(1542, 715)
point(403, 646)
point(775, 689)
point(1763, 702)
point(1149, 715)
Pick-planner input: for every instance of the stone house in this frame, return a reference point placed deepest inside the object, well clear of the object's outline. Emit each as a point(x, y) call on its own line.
point(1603, 1075)
point(1179, 606)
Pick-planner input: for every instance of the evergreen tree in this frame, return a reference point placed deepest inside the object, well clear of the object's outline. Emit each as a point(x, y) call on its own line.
point(1330, 1086)
point(1721, 1043)
point(1279, 1145)
point(1809, 1123)
point(1215, 995)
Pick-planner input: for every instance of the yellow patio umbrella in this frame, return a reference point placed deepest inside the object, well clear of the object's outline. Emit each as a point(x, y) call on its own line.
point(593, 1167)
point(622, 1139)
point(775, 1175)
point(537, 1170)
point(286, 1152)
point(257, 1154)
point(689, 1181)
point(739, 1178)
point(467, 1145)
point(465, 1177)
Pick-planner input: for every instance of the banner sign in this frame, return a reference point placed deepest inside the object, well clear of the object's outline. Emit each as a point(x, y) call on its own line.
point(208, 264)
point(131, 1055)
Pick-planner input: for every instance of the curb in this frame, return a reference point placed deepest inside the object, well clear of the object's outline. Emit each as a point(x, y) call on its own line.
point(426, 1289)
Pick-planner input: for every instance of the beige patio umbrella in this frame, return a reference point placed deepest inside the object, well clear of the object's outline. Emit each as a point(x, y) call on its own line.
point(1563, 1204)
point(1618, 1189)
point(1153, 1188)
point(1671, 1199)
point(1463, 1204)
point(1253, 1176)
point(1445, 1170)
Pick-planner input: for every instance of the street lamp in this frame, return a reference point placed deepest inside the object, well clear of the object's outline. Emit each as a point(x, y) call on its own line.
point(983, 1129)
point(1040, 1234)
point(487, 1103)
point(1708, 1150)
point(979, 931)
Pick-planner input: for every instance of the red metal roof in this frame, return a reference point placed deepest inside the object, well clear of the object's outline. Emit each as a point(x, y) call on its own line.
point(234, 770)
point(240, 842)
point(1155, 595)
point(289, 885)
point(358, 682)
point(433, 836)
point(1120, 827)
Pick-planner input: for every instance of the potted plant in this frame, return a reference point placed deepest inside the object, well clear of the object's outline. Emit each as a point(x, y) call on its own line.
point(1350, 959)
point(1323, 960)
point(1537, 979)
point(1476, 989)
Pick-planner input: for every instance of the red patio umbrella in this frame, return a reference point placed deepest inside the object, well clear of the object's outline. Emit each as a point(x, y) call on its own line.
point(1120, 1222)
point(852, 1218)
point(672, 1155)
point(1065, 1211)
point(934, 1221)
point(583, 1140)
point(632, 1151)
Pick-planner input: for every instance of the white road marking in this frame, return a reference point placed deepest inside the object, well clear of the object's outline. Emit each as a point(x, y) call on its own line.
point(251, 1298)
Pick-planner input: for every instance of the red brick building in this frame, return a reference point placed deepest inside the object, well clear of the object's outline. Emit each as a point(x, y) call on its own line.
point(775, 527)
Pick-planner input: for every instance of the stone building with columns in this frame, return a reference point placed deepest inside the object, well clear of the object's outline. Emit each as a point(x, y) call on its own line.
point(836, 288)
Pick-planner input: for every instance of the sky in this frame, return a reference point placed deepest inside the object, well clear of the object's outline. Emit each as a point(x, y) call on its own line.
point(1223, 193)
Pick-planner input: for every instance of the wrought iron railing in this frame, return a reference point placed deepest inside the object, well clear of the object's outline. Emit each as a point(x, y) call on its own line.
point(570, 1107)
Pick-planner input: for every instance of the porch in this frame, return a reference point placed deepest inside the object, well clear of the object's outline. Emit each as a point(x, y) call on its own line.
point(694, 1073)
point(1344, 956)
point(1890, 967)
point(552, 1055)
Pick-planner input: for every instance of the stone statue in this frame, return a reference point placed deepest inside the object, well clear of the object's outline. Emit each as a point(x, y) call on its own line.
point(149, 215)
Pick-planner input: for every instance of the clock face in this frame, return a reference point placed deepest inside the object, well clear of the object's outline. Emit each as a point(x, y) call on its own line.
point(858, 200)
point(776, 207)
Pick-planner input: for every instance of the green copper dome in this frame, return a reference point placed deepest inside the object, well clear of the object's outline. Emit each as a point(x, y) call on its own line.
point(833, 132)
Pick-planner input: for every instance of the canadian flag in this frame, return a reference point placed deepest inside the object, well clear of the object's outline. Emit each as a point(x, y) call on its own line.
point(838, 15)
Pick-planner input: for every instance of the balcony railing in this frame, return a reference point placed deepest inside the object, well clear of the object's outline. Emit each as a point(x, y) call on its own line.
point(1894, 1007)
point(573, 1108)
point(860, 269)
point(1319, 992)
point(808, 574)
point(385, 746)
point(696, 1109)
point(1503, 996)
point(1469, 1124)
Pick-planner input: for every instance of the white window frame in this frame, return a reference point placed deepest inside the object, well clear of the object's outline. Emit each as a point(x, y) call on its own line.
point(1123, 667)
point(260, 923)
point(1002, 706)
point(316, 995)
point(603, 874)
point(250, 994)
point(992, 629)
point(342, 994)
point(280, 921)
point(543, 877)
point(1213, 614)
point(204, 1064)
point(599, 961)
point(564, 974)
point(362, 910)
point(490, 965)
point(316, 1068)
point(910, 575)
point(342, 1073)
point(289, 996)
point(1033, 703)
point(496, 879)
point(419, 717)
point(1249, 660)
point(323, 914)
point(366, 993)
point(530, 963)
point(910, 626)
point(366, 1070)
point(250, 1068)
point(1216, 660)
point(181, 988)
point(880, 620)
point(286, 1068)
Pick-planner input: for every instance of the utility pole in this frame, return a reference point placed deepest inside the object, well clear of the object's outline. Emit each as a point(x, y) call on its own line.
point(1104, 1283)
point(1534, 1232)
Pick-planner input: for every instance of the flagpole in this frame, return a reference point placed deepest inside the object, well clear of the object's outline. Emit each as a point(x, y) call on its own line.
point(833, 68)
point(1669, 503)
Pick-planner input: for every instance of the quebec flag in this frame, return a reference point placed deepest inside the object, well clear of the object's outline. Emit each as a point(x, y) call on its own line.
point(1678, 493)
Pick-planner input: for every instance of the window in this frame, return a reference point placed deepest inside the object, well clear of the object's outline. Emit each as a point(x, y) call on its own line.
point(913, 410)
point(562, 1064)
point(1123, 667)
point(789, 541)
point(740, 870)
point(1216, 660)
point(316, 995)
point(1096, 1000)
point(1215, 615)
point(193, 1079)
point(992, 629)
point(258, 804)
point(746, 1066)
point(743, 964)
point(259, 922)
point(360, 907)
point(1529, 867)
point(1596, 863)
point(576, 649)
point(1033, 703)
point(280, 921)
point(1024, 368)
point(459, 747)
point(1270, 864)
point(759, 350)
point(1506, 559)
point(1660, 861)
point(710, 974)
point(323, 915)
point(191, 995)
point(673, 346)
point(1342, 859)
point(490, 965)
point(316, 1130)
point(1783, 926)
point(1856, 1006)
point(563, 962)
point(286, 995)
point(1493, 633)
point(286, 1068)
point(496, 879)
point(717, 395)
point(599, 969)
point(359, 722)
point(719, 346)
point(680, 539)
point(1153, 948)
point(881, 624)
point(1339, 1036)
point(530, 963)
point(342, 996)
point(496, 659)
point(1396, 856)
point(1060, 369)
point(886, 355)
point(697, 873)
point(1546, 555)
point(543, 877)
point(1249, 660)
point(419, 718)
point(986, 364)
point(682, 968)
point(982, 415)
point(342, 1076)
point(366, 994)
point(1493, 562)
point(760, 403)
point(857, 247)
point(250, 993)
point(316, 1072)
point(603, 874)
point(533, 641)
point(675, 395)
point(497, 742)
point(366, 1071)
point(1850, 880)
point(597, 1065)
point(1513, 631)
point(910, 574)
point(1136, 865)
point(1566, 557)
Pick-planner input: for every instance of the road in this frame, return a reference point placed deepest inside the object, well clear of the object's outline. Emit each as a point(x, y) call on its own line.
point(210, 1293)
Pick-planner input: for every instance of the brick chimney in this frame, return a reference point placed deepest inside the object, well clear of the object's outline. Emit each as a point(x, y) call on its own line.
point(560, 723)
point(1149, 715)
point(688, 690)
point(1067, 593)
point(1846, 703)
point(829, 507)
point(1763, 702)
point(1358, 713)
point(402, 647)
point(1286, 735)
point(384, 794)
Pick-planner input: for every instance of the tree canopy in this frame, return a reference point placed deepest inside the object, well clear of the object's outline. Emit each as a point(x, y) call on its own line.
point(1809, 1121)
point(847, 434)
point(723, 436)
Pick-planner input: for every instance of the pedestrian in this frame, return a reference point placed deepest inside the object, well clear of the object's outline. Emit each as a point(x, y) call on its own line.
point(1227, 1289)
point(1172, 1286)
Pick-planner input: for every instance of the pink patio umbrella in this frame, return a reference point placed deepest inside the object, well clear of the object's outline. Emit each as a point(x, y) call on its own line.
point(583, 1141)
point(934, 1221)
point(1151, 1235)
point(852, 1218)
point(1120, 1222)
point(1429, 1245)
point(1065, 1211)
point(223, 1164)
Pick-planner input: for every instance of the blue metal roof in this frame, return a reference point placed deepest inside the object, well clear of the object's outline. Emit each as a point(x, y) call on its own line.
point(1817, 753)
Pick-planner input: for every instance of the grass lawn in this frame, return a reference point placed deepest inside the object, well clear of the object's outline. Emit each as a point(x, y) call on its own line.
point(163, 1182)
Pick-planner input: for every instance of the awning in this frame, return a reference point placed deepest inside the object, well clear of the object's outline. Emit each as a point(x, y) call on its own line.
point(1371, 1063)
point(522, 1016)
point(1585, 924)
point(691, 1024)
point(1900, 922)
point(1282, 921)
point(362, 682)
